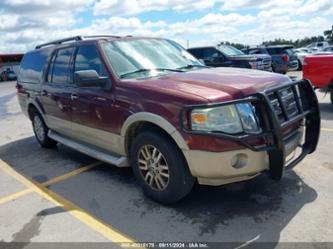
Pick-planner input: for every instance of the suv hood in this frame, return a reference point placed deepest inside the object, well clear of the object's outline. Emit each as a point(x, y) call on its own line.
point(216, 84)
point(251, 57)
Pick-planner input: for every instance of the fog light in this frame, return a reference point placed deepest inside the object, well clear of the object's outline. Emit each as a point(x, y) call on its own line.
point(239, 161)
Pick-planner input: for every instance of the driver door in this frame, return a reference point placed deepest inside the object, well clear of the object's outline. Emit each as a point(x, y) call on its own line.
point(92, 107)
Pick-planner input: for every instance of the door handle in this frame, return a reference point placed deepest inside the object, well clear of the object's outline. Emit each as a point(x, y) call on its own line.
point(44, 93)
point(74, 96)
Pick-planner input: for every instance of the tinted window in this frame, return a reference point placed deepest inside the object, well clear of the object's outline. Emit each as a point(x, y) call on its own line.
point(87, 58)
point(290, 51)
point(60, 71)
point(276, 50)
point(255, 51)
point(32, 66)
point(210, 53)
point(196, 52)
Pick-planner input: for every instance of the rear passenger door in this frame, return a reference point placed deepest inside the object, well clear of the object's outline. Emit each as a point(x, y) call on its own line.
point(57, 91)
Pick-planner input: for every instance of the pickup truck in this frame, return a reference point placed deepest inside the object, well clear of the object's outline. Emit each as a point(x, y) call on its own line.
point(319, 70)
point(228, 56)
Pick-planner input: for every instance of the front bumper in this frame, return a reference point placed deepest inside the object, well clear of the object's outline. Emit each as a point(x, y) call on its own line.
point(211, 168)
point(220, 168)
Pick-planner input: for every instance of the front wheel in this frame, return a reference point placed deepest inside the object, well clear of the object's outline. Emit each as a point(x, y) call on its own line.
point(41, 131)
point(160, 168)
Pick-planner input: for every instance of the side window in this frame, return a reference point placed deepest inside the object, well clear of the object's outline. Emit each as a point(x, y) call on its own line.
point(254, 51)
point(87, 58)
point(32, 65)
point(196, 52)
point(60, 67)
point(210, 53)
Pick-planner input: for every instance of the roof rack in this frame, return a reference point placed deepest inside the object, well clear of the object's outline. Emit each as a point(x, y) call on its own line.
point(74, 38)
point(100, 36)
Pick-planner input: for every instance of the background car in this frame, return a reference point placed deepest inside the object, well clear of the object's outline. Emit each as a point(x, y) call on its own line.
point(319, 70)
point(8, 75)
point(319, 45)
point(328, 49)
point(228, 56)
point(325, 51)
point(287, 54)
point(302, 50)
point(301, 53)
point(279, 64)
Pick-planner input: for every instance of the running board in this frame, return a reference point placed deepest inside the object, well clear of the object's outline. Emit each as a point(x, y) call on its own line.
point(119, 161)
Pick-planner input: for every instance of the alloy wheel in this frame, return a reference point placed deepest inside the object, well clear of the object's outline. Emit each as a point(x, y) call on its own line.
point(39, 128)
point(153, 167)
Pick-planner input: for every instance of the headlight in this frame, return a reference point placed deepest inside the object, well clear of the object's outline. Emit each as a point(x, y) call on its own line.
point(230, 119)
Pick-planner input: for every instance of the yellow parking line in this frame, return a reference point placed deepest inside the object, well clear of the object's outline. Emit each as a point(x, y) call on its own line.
point(71, 174)
point(49, 182)
point(15, 196)
point(327, 129)
point(107, 231)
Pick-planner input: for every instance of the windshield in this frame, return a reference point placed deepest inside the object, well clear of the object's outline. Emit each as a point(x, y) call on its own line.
point(229, 50)
point(138, 58)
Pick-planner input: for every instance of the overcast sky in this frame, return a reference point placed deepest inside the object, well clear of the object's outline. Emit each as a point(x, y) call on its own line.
point(25, 23)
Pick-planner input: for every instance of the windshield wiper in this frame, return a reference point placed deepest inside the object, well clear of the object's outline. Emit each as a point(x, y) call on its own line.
point(141, 70)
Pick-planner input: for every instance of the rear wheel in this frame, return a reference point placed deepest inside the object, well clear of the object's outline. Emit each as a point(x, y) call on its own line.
point(160, 168)
point(41, 131)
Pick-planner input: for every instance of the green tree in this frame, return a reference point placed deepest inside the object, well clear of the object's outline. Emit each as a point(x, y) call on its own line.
point(329, 34)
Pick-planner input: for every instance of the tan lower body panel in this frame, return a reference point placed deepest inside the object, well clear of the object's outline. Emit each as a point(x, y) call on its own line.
point(212, 168)
point(99, 138)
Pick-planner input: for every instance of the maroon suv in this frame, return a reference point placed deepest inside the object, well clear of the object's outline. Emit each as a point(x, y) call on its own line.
point(149, 104)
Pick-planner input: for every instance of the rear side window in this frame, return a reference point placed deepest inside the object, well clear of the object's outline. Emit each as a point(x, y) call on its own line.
point(87, 58)
point(275, 50)
point(209, 53)
point(289, 52)
point(255, 51)
point(32, 65)
point(281, 50)
point(60, 67)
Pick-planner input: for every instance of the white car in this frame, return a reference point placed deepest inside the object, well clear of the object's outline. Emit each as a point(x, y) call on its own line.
point(328, 50)
point(300, 52)
point(319, 45)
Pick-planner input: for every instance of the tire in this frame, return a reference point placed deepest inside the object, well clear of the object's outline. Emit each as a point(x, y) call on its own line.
point(171, 163)
point(41, 131)
point(299, 65)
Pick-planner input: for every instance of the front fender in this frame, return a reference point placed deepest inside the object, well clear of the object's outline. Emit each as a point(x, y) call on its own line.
point(157, 120)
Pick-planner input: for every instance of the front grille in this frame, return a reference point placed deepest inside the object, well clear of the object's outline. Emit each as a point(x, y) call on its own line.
point(267, 63)
point(286, 103)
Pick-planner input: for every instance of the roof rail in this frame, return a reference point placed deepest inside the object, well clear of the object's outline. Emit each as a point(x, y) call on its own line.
point(100, 36)
point(74, 38)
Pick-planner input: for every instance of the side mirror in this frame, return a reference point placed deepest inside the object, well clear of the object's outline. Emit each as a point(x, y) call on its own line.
point(89, 78)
